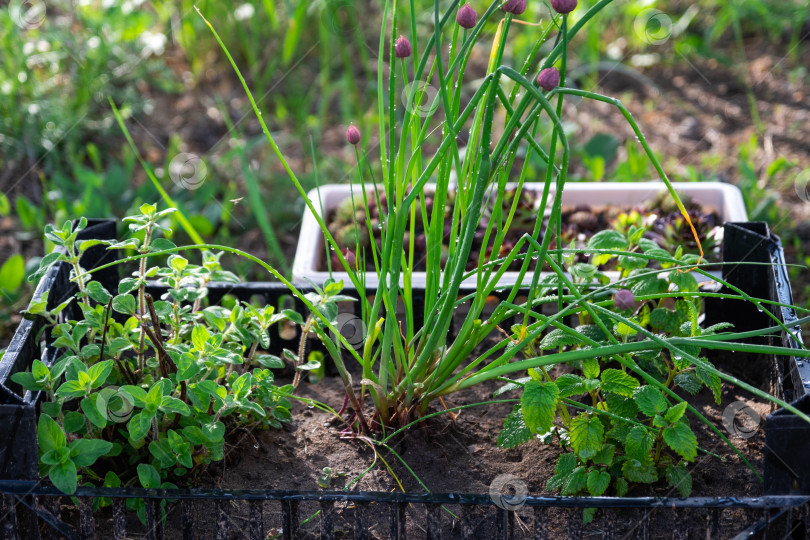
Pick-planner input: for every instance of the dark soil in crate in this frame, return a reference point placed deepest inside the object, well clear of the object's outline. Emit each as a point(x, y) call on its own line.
point(461, 456)
point(665, 224)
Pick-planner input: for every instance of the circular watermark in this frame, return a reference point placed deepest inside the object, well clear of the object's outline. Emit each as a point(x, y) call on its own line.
point(27, 14)
point(653, 26)
point(188, 171)
point(339, 17)
point(741, 420)
point(352, 328)
point(802, 185)
point(508, 492)
point(115, 404)
point(419, 98)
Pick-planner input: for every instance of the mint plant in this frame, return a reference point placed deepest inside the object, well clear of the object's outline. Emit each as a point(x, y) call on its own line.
point(618, 428)
point(146, 391)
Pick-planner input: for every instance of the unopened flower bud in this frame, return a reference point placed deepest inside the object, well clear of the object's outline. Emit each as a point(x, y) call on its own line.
point(353, 135)
point(548, 79)
point(402, 47)
point(564, 6)
point(515, 7)
point(467, 17)
point(624, 300)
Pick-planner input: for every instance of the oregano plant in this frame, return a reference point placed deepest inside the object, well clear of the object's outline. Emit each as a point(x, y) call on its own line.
point(146, 391)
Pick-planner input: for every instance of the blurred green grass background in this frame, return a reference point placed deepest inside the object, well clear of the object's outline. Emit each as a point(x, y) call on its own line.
point(312, 66)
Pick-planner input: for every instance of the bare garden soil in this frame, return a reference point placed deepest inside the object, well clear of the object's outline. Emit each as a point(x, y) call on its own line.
point(352, 225)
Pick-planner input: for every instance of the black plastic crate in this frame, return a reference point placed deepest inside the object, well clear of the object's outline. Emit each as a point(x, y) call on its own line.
point(30, 507)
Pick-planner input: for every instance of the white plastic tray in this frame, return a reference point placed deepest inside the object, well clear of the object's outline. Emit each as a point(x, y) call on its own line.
point(724, 198)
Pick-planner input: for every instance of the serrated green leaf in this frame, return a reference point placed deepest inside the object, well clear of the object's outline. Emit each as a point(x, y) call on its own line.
point(682, 440)
point(621, 406)
point(587, 435)
point(555, 483)
point(716, 328)
point(605, 455)
point(590, 368)
point(597, 482)
point(689, 382)
point(514, 430)
point(675, 413)
point(650, 400)
point(539, 405)
point(621, 486)
point(624, 330)
point(558, 338)
point(638, 444)
point(569, 385)
point(636, 471)
point(619, 382)
point(684, 281)
point(591, 331)
point(664, 320)
point(566, 463)
point(591, 385)
point(712, 381)
point(575, 482)
point(680, 478)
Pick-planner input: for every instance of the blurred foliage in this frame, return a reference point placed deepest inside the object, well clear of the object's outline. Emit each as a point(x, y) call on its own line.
point(56, 75)
point(312, 66)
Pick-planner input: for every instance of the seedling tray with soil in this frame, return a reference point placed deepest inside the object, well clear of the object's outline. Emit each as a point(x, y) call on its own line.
point(587, 208)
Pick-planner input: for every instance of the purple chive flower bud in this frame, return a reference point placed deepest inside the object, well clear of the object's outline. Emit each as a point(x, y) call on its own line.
point(624, 300)
point(353, 135)
point(467, 17)
point(564, 6)
point(515, 7)
point(402, 47)
point(548, 79)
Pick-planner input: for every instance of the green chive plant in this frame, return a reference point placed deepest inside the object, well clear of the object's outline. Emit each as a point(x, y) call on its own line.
point(146, 391)
point(405, 367)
